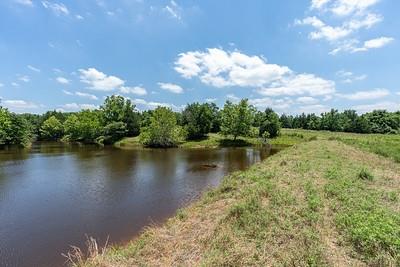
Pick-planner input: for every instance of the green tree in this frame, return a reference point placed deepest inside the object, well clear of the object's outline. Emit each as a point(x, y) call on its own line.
point(163, 130)
point(5, 126)
point(331, 121)
point(14, 129)
point(216, 117)
point(197, 119)
point(286, 121)
point(381, 121)
point(313, 122)
point(145, 117)
point(118, 109)
point(84, 126)
point(114, 131)
point(236, 119)
point(270, 124)
point(20, 131)
point(349, 120)
point(361, 125)
point(52, 129)
point(71, 127)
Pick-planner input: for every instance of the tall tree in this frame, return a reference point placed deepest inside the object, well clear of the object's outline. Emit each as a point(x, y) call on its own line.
point(118, 109)
point(236, 119)
point(84, 126)
point(14, 129)
point(270, 124)
point(197, 119)
point(5, 126)
point(52, 129)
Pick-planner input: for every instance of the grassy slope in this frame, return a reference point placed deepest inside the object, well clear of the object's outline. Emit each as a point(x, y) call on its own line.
point(216, 140)
point(385, 145)
point(317, 203)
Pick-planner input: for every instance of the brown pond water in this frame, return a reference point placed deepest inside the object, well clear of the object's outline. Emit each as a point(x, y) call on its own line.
point(52, 195)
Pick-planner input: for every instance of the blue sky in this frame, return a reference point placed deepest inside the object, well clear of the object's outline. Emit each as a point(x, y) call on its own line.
point(292, 55)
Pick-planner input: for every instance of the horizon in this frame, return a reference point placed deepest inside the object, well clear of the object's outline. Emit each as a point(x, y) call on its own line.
point(311, 57)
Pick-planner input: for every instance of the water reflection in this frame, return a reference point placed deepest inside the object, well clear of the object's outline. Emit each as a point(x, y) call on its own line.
point(53, 194)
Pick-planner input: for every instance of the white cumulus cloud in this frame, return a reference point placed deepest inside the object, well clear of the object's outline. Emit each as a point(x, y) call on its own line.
point(77, 107)
point(19, 105)
point(153, 104)
point(86, 95)
point(220, 68)
point(350, 16)
point(353, 46)
point(173, 88)
point(308, 100)
point(301, 84)
point(365, 95)
point(137, 90)
point(62, 80)
point(276, 104)
point(349, 77)
point(97, 80)
point(386, 105)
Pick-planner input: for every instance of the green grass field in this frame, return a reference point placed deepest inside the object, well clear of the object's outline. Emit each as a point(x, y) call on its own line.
point(332, 199)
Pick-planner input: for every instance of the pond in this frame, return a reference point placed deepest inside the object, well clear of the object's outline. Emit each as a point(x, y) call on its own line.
point(54, 195)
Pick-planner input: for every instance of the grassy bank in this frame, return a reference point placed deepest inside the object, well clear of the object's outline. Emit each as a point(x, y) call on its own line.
point(385, 145)
point(214, 140)
point(318, 203)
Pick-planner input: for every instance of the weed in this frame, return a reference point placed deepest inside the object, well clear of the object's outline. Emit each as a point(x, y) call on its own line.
point(364, 174)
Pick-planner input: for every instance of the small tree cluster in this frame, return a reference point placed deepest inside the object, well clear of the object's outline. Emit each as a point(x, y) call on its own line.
point(237, 119)
point(197, 119)
point(163, 130)
point(14, 129)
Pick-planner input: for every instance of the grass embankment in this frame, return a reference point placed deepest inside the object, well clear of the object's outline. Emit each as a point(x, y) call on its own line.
point(214, 140)
point(320, 203)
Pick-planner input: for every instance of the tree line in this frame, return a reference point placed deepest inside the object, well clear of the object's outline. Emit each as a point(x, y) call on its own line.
point(118, 118)
point(377, 121)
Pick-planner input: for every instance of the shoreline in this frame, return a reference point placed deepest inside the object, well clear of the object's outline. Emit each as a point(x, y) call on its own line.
point(195, 231)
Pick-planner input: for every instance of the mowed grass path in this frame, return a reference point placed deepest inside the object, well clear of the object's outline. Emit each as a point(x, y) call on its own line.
point(387, 145)
point(317, 203)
